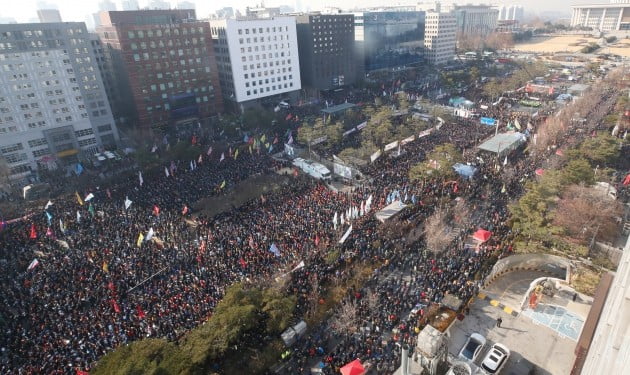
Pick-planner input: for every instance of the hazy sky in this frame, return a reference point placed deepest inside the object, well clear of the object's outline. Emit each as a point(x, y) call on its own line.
point(78, 10)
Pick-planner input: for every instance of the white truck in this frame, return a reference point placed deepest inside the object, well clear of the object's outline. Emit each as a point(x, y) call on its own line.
point(314, 169)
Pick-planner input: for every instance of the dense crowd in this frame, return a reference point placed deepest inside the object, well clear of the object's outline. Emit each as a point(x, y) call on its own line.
point(83, 276)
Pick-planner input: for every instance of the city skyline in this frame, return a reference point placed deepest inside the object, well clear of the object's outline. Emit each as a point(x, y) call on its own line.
point(81, 10)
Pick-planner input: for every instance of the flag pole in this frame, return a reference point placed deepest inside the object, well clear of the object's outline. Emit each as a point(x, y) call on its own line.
point(147, 279)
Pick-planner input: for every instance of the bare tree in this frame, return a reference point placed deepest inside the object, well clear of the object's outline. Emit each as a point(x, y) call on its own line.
point(461, 213)
point(345, 319)
point(373, 302)
point(436, 232)
point(585, 212)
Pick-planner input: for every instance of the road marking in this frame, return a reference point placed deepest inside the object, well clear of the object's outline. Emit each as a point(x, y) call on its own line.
point(508, 310)
point(495, 303)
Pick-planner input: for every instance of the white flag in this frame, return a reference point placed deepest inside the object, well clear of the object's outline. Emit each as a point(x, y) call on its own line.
point(209, 151)
point(505, 161)
point(222, 156)
point(342, 221)
point(33, 264)
point(166, 172)
point(140, 178)
point(345, 236)
point(192, 168)
point(127, 203)
point(149, 235)
point(89, 197)
point(300, 265)
point(78, 217)
point(48, 205)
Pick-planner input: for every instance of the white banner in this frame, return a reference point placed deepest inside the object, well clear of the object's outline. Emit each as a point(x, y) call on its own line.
point(346, 235)
point(407, 140)
point(342, 170)
point(348, 132)
point(425, 133)
point(362, 125)
point(390, 146)
point(319, 140)
point(375, 156)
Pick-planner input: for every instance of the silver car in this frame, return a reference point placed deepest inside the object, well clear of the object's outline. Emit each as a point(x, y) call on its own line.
point(472, 348)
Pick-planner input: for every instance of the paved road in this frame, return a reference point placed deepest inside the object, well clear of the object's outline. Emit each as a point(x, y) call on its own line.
point(511, 288)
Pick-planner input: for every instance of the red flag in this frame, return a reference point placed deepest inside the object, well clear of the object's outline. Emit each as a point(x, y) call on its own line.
point(626, 180)
point(111, 286)
point(140, 313)
point(49, 232)
point(455, 188)
point(80, 372)
point(156, 210)
point(115, 307)
point(185, 210)
point(295, 172)
point(316, 240)
point(559, 152)
point(540, 171)
point(33, 234)
point(288, 117)
point(194, 140)
point(242, 262)
point(202, 247)
point(275, 140)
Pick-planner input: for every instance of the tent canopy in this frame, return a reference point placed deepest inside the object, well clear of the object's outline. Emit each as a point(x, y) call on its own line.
point(502, 143)
point(482, 235)
point(353, 368)
point(464, 170)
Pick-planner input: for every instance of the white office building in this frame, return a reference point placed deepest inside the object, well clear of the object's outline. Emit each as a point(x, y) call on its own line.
point(257, 60)
point(48, 15)
point(602, 17)
point(53, 108)
point(440, 37)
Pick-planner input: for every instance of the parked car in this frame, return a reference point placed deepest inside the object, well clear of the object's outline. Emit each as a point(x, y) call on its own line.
point(495, 359)
point(472, 348)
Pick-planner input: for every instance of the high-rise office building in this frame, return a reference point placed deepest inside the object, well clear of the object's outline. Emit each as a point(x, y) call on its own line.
point(164, 61)
point(475, 19)
point(53, 107)
point(129, 5)
point(159, 4)
point(389, 38)
point(326, 49)
point(258, 60)
point(48, 15)
point(440, 37)
point(186, 5)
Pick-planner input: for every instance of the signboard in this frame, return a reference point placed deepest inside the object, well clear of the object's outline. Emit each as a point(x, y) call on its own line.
point(362, 125)
point(407, 140)
point(342, 170)
point(488, 121)
point(348, 132)
point(390, 146)
point(319, 140)
point(289, 150)
point(375, 156)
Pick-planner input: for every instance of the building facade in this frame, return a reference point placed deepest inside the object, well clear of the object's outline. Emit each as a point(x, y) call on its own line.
point(602, 17)
point(327, 52)
point(48, 15)
point(476, 19)
point(53, 106)
point(609, 349)
point(258, 60)
point(164, 67)
point(511, 13)
point(389, 38)
point(440, 37)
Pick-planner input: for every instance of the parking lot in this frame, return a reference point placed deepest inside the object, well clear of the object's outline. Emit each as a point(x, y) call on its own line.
point(543, 339)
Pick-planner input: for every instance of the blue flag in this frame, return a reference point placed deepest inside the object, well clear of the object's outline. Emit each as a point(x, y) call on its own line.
point(49, 217)
point(78, 169)
point(274, 249)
